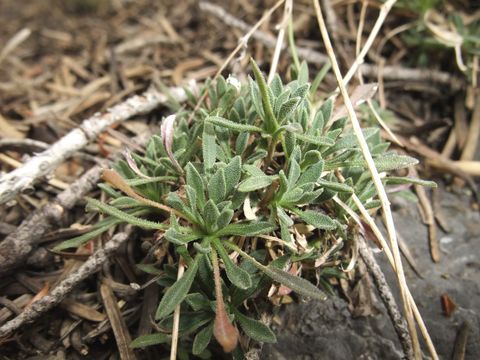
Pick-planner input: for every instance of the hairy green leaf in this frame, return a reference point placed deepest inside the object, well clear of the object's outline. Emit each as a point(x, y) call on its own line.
point(335, 186)
point(217, 187)
point(202, 339)
point(383, 163)
point(247, 229)
point(312, 174)
point(126, 217)
point(150, 339)
point(210, 215)
point(395, 180)
point(177, 292)
point(233, 172)
point(314, 218)
point(255, 329)
point(287, 108)
point(255, 183)
point(316, 140)
point(82, 239)
point(270, 121)
point(239, 277)
point(327, 109)
point(194, 180)
point(293, 172)
point(209, 146)
point(224, 218)
point(297, 284)
point(219, 121)
point(179, 238)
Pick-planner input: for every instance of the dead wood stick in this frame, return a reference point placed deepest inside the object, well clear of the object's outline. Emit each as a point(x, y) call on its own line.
point(429, 220)
point(315, 57)
point(386, 295)
point(120, 330)
point(16, 247)
point(92, 265)
point(45, 162)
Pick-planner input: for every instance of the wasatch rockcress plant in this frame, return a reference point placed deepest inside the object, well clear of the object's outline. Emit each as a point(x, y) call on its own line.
point(241, 194)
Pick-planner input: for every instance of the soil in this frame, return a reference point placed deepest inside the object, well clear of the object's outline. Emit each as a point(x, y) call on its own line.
point(317, 330)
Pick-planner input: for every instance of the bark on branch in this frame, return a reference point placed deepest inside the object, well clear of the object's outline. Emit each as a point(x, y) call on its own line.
point(16, 247)
point(45, 162)
point(398, 321)
point(92, 265)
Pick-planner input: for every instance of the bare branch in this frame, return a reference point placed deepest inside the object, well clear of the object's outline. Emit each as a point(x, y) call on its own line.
point(387, 297)
point(92, 265)
point(46, 162)
point(315, 57)
point(15, 248)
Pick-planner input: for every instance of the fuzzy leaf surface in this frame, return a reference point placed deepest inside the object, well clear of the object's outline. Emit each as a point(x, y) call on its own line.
point(177, 292)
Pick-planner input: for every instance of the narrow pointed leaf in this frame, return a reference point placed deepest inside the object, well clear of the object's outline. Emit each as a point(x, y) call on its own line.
point(394, 180)
point(255, 329)
point(233, 172)
point(84, 238)
point(340, 187)
point(194, 180)
point(177, 292)
point(314, 218)
point(179, 238)
point(255, 183)
point(126, 217)
point(202, 339)
point(384, 163)
point(297, 284)
point(316, 140)
point(209, 146)
point(237, 127)
point(149, 340)
point(247, 229)
point(239, 277)
point(217, 187)
point(270, 121)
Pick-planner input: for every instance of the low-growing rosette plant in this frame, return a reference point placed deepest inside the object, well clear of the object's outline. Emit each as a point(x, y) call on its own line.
point(239, 193)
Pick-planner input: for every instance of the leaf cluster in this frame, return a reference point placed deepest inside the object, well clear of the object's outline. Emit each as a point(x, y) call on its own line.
point(251, 179)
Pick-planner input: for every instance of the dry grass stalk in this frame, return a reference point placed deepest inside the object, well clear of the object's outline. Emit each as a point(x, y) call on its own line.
point(384, 10)
point(315, 57)
point(388, 253)
point(120, 330)
point(471, 142)
point(281, 35)
point(176, 318)
point(375, 176)
point(429, 220)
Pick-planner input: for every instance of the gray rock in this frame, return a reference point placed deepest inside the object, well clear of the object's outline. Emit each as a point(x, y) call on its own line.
point(317, 330)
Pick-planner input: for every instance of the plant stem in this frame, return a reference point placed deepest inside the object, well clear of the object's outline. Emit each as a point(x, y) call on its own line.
point(176, 317)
